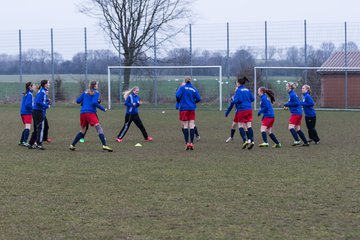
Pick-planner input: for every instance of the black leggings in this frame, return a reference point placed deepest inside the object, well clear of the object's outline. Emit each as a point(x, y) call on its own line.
point(37, 134)
point(310, 124)
point(129, 118)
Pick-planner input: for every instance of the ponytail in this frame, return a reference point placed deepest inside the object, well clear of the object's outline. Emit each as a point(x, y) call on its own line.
point(292, 85)
point(92, 86)
point(268, 92)
point(307, 87)
point(27, 85)
point(187, 79)
point(242, 80)
point(129, 91)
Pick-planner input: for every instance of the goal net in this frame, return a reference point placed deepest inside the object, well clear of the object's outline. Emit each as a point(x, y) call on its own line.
point(158, 84)
point(334, 88)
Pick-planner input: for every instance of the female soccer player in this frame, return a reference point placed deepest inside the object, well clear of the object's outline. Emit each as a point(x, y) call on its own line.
point(296, 115)
point(89, 100)
point(187, 96)
point(132, 103)
point(268, 119)
point(243, 101)
point(26, 112)
point(310, 114)
point(39, 112)
point(234, 123)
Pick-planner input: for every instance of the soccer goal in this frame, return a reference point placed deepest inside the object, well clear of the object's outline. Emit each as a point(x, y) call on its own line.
point(335, 88)
point(158, 84)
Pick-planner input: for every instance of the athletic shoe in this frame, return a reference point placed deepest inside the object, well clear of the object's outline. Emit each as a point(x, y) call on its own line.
point(245, 145)
point(229, 139)
point(277, 145)
point(191, 146)
point(40, 147)
point(251, 145)
point(310, 140)
point(318, 142)
point(72, 147)
point(106, 148)
point(32, 146)
point(149, 139)
point(20, 143)
point(82, 140)
point(187, 146)
point(119, 140)
point(198, 138)
point(264, 144)
point(296, 143)
point(24, 144)
point(306, 145)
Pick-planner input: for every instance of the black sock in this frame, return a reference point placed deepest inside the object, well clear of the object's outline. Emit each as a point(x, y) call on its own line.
point(251, 134)
point(196, 131)
point(192, 134)
point(264, 136)
point(22, 136)
point(26, 135)
point(302, 136)
point(232, 132)
point(272, 136)
point(242, 134)
point(102, 139)
point(186, 135)
point(294, 134)
point(79, 136)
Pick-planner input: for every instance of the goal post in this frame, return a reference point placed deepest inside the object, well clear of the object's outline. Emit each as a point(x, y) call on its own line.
point(332, 87)
point(165, 74)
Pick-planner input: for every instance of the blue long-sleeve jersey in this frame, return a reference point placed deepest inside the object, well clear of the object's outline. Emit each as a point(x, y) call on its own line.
point(89, 102)
point(308, 105)
point(243, 99)
point(266, 108)
point(41, 100)
point(294, 103)
point(187, 96)
point(132, 108)
point(27, 103)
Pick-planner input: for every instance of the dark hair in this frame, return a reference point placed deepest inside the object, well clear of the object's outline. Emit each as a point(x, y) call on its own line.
point(269, 93)
point(187, 79)
point(242, 80)
point(27, 85)
point(43, 82)
point(92, 85)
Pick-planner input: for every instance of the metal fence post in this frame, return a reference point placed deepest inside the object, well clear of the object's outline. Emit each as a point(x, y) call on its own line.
point(20, 57)
point(119, 52)
point(155, 63)
point(85, 58)
point(190, 50)
point(52, 68)
point(266, 56)
point(346, 71)
point(305, 50)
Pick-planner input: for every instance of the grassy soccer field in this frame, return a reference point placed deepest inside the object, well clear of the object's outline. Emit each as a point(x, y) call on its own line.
point(161, 191)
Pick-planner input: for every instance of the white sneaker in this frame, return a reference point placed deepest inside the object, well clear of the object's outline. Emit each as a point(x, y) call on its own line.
point(229, 139)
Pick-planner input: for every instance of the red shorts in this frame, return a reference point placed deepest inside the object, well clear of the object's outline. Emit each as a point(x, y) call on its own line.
point(88, 118)
point(243, 116)
point(295, 119)
point(267, 122)
point(26, 119)
point(187, 115)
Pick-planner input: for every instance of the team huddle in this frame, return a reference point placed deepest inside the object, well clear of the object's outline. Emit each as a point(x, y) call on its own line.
point(187, 97)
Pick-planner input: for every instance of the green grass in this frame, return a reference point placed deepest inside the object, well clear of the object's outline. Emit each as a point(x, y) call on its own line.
point(161, 191)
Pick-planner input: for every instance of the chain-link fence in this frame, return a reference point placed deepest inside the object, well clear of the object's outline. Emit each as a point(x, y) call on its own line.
point(70, 57)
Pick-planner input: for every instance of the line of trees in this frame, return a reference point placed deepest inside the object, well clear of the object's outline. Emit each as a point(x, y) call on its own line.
point(38, 61)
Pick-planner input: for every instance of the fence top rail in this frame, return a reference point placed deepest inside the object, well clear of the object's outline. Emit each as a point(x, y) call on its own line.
point(307, 68)
point(212, 66)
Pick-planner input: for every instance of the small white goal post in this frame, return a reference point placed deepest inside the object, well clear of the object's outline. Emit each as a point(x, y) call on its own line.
point(166, 67)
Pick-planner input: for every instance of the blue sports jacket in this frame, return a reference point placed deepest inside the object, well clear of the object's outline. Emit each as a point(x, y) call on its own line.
point(89, 102)
point(27, 103)
point(294, 103)
point(41, 100)
point(243, 99)
point(129, 103)
point(266, 108)
point(187, 96)
point(308, 105)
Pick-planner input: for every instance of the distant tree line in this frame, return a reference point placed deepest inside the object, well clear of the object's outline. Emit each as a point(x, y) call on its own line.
point(38, 61)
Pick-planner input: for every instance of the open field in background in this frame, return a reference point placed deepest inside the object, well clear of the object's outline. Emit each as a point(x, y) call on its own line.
point(161, 191)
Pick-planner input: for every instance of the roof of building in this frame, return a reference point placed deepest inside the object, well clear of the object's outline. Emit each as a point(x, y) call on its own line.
point(336, 62)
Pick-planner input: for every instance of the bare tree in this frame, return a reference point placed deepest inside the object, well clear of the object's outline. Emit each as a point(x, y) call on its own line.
point(131, 24)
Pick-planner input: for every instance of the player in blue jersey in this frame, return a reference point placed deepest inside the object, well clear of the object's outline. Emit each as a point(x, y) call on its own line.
point(296, 115)
point(89, 101)
point(243, 102)
point(268, 118)
point(132, 103)
point(188, 96)
point(26, 112)
point(310, 114)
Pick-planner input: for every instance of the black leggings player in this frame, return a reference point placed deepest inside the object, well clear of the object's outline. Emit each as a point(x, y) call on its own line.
point(37, 134)
point(310, 124)
point(129, 118)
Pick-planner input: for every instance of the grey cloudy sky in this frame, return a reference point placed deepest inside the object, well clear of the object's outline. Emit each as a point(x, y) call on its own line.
point(44, 14)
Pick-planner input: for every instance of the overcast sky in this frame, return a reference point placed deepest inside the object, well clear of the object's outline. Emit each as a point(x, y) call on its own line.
point(44, 14)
